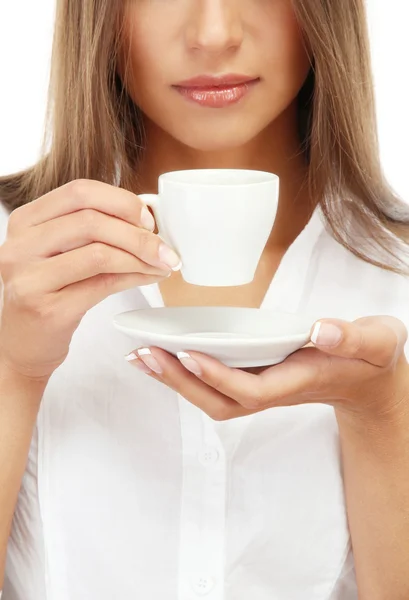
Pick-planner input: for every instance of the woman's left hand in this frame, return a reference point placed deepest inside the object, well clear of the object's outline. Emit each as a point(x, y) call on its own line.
point(359, 368)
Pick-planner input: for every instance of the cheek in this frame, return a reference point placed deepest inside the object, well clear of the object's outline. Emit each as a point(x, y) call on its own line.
point(287, 59)
point(144, 60)
point(144, 45)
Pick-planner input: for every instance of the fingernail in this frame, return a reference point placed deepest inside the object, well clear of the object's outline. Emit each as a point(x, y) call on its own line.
point(189, 364)
point(150, 361)
point(139, 364)
point(169, 257)
point(326, 334)
point(147, 221)
point(136, 362)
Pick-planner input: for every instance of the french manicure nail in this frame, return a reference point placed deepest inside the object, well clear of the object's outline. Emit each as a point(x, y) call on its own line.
point(150, 361)
point(169, 257)
point(147, 221)
point(139, 364)
point(189, 364)
point(326, 334)
point(133, 359)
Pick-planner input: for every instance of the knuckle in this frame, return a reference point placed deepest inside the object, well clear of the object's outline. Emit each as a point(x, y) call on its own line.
point(89, 219)
point(137, 205)
point(14, 218)
point(255, 401)
point(389, 356)
point(44, 309)
point(18, 292)
point(356, 344)
point(79, 190)
point(14, 251)
point(99, 256)
point(221, 413)
point(143, 242)
point(108, 281)
point(217, 384)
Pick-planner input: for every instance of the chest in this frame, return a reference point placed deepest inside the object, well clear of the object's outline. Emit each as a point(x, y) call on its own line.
point(176, 292)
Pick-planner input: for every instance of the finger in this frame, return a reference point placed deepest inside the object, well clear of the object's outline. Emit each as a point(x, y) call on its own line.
point(85, 294)
point(84, 227)
point(81, 264)
point(280, 384)
point(78, 195)
point(378, 340)
point(174, 375)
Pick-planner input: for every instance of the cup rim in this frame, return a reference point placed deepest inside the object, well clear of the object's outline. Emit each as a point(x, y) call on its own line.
point(181, 177)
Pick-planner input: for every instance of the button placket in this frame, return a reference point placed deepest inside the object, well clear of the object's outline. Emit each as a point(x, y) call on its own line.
point(202, 585)
point(208, 456)
point(202, 541)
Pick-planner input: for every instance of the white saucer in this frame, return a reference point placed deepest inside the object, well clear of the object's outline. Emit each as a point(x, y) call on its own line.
point(237, 337)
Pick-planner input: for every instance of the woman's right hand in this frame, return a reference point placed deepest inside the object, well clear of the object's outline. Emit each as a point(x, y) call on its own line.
point(65, 253)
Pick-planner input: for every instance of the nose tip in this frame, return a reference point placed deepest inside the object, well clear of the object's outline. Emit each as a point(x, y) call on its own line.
point(216, 28)
point(217, 44)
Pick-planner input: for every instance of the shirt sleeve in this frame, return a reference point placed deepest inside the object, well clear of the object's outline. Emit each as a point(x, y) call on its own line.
point(4, 217)
point(346, 586)
point(25, 564)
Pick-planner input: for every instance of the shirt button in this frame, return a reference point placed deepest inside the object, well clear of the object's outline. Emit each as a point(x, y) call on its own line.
point(202, 585)
point(208, 456)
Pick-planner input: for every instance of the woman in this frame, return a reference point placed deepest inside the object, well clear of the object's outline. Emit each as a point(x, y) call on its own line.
point(181, 479)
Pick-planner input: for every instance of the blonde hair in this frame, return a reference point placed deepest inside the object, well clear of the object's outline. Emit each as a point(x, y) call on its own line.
point(95, 126)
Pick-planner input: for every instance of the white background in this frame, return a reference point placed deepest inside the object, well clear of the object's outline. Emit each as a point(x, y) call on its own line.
point(25, 48)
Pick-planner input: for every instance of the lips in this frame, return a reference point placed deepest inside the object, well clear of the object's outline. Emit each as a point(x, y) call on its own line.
point(216, 81)
point(216, 91)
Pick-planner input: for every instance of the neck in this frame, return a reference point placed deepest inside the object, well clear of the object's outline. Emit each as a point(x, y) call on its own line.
point(275, 150)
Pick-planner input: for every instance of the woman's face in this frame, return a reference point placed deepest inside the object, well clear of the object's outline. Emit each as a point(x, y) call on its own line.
point(173, 41)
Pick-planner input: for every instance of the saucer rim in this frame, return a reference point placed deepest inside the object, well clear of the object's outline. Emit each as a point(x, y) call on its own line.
point(226, 342)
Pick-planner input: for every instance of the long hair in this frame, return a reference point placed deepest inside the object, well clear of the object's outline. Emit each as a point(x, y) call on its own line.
point(93, 128)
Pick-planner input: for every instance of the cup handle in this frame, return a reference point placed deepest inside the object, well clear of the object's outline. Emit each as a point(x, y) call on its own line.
point(152, 200)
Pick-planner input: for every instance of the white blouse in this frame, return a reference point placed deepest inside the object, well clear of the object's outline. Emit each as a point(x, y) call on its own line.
point(133, 492)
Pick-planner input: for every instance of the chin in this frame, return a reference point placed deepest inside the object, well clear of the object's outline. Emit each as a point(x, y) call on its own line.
point(218, 140)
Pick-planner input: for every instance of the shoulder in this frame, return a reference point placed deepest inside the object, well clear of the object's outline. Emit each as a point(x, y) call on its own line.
point(363, 289)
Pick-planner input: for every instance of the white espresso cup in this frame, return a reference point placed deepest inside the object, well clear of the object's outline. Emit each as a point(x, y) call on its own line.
point(217, 220)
